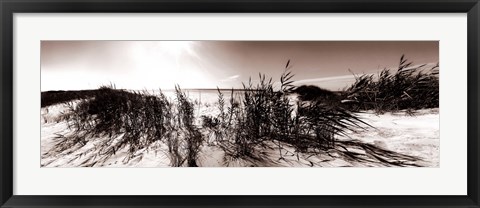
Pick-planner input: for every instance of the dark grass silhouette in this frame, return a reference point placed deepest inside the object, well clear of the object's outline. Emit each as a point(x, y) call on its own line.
point(192, 136)
point(265, 115)
point(134, 121)
point(408, 88)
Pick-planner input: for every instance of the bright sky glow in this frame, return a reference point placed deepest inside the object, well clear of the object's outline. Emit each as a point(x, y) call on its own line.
point(75, 65)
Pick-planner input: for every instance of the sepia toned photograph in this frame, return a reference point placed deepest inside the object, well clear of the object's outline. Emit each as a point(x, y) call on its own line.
point(308, 104)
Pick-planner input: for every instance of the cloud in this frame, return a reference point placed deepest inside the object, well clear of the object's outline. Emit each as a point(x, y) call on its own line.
point(231, 78)
point(339, 82)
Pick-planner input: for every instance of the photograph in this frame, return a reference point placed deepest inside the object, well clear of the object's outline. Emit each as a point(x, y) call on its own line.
point(239, 103)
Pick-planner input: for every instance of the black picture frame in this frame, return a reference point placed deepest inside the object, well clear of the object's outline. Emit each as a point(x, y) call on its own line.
point(10, 7)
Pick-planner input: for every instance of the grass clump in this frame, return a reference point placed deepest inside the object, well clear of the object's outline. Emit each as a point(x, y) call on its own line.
point(408, 88)
point(265, 115)
point(132, 121)
point(186, 123)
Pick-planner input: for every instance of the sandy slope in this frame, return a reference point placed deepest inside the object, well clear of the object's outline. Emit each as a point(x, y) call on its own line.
point(416, 136)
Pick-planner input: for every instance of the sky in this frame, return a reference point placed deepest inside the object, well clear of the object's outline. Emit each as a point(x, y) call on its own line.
point(137, 65)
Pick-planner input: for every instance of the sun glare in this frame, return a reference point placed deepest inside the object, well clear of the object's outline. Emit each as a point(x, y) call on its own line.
point(176, 48)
